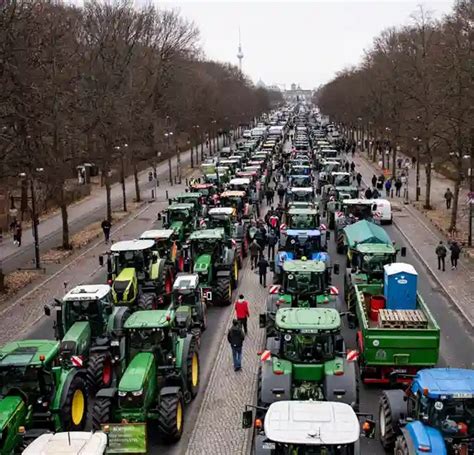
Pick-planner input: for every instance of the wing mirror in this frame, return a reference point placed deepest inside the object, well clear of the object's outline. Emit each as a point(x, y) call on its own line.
point(247, 419)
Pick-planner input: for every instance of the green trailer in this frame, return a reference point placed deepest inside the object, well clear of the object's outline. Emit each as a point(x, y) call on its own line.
point(400, 341)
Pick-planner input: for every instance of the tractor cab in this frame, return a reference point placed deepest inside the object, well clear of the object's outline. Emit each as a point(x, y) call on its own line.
point(239, 184)
point(187, 292)
point(340, 179)
point(300, 170)
point(297, 218)
point(206, 189)
point(222, 217)
point(194, 198)
point(308, 428)
point(205, 246)
point(299, 194)
point(237, 200)
point(167, 246)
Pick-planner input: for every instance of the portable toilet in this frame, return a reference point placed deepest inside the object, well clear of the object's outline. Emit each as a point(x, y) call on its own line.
point(400, 284)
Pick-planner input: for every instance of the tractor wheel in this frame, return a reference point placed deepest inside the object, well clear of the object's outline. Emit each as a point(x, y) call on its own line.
point(401, 446)
point(167, 279)
point(99, 372)
point(204, 317)
point(101, 412)
point(146, 301)
point(192, 369)
point(224, 291)
point(386, 423)
point(74, 408)
point(235, 273)
point(171, 417)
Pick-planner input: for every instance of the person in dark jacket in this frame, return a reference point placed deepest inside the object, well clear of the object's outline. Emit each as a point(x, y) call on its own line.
point(368, 193)
point(353, 166)
point(359, 178)
point(272, 240)
point(106, 226)
point(441, 252)
point(375, 194)
point(374, 181)
point(455, 253)
point(262, 270)
point(398, 186)
point(388, 187)
point(255, 251)
point(236, 337)
point(281, 193)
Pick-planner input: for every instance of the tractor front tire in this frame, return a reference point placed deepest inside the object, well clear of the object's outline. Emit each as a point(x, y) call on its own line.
point(401, 446)
point(170, 417)
point(74, 408)
point(387, 424)
point(101, 412)
point(146, 301)
point(193, 369)
point(224, 291)
point(99, 372)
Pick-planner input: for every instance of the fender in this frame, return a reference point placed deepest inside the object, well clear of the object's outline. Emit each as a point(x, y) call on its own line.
point(65, 379)
point(110, 392)
point(419, 435)
point(169, 391)
point(182, 349)
point(272, 382)
point(117, 319)
point(223, 273)
point(346, 383)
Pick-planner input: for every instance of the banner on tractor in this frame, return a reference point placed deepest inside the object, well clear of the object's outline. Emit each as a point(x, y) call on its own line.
point(126, 438)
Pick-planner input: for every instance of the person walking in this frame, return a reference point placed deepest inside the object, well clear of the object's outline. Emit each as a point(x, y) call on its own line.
point(375, 193)
point(346, 166)
point(441, 252)
point(262, 270)
point(255, 250)
point(106, 226)
point(359, 178)
point(388, 187)
point(353, 149)
point(281, 193)
point(236, 337)
point(242, 312)
point(353, 166)
point(368, 193)
point(448, 196)
point(455, 253)
point(18, 233)
point(398, 186)
point(272, 240)
point(374, 181)
point(270, 193)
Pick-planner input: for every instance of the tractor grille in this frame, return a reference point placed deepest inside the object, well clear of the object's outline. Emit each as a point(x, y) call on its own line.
point(129, 401)
point(120, 287)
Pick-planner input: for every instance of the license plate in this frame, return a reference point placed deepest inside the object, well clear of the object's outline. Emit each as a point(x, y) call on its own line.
point(208, 295)
point(462, 395)
point(268, 445)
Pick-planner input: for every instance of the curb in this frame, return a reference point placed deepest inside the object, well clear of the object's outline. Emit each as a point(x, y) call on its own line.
point(427, 265)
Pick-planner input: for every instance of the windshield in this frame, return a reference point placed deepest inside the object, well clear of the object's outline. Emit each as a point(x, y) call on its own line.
point(145, 340)
point(291, 449)
point(135, 259)
point(359, 211)
point(308, 347)
point(203, 247)
point(302, 222)
point(447, 415)
point(342, 180)
point(178, 215)
point(301, 181)
point(303, 283)
point(373, 263)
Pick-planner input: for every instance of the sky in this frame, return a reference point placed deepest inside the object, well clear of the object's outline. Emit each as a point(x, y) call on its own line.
point(289, 42)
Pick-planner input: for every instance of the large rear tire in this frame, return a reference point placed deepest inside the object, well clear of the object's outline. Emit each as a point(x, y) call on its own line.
point(74, 408)
point(171, 417)
point(101, 412)
point(401, 446)
point(193, 369)
point(224, 291)
point(386, 423)
point(99, 372)
point(146, 301)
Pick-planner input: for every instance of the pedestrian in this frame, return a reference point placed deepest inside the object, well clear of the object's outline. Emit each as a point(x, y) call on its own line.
point(262, 237)
point(441, 252)
point(270, 194)
point(236, 337)
point(368, 193)
point(242, 312)
point(375, 193)
point(18, 233)
point(255, 250)
point(353, 149)
point(399, 163)
point(359, 178)
point(346, 166)
point(262, 270)
point(449, 197)
point(272, 240)
point(106, 229)
point(455, 252)
point(281, 193)
point(413, 161)
point(388, 187)
point(353, 166)
point(403, 178)
point(374, 181)
point(398, 186)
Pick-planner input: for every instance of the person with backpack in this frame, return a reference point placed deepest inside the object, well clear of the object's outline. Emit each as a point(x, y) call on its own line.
point(441, 252)
point(236, 337)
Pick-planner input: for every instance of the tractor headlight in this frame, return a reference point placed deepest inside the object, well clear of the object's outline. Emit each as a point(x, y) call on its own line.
point(138, 393)
point(115, 343)
point(122, 394)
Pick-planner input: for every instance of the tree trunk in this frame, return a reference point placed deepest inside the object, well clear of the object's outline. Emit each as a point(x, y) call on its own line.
point(394, 161)
point(64, 218)
point(107, 195)
point(427, 205)
point(454, 208)
point(137, 184)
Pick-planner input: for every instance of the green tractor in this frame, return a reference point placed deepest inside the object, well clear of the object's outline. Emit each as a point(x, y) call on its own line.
point(37, 393)
point(88, 326)
point(214, 259)
point(225, 217)
point(162, 374)
point(138, 275)
point(305, 359)
point(369, 249)
point(196, 198)
point(181, 217)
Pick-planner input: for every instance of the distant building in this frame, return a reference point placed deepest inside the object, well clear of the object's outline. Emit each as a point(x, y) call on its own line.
point(296, 93)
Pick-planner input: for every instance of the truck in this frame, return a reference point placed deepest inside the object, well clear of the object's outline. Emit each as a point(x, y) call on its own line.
point(386, 336)
point(434, 415)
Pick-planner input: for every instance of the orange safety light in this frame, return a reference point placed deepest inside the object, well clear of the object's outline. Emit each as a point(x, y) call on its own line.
point(258, 423)
point(366, 426)
point(42, 357)
point(425, 392)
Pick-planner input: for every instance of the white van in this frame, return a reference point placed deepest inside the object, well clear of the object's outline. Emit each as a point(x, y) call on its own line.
point(382, 210)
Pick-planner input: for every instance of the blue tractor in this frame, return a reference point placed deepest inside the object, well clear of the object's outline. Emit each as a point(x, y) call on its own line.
point(434, 416)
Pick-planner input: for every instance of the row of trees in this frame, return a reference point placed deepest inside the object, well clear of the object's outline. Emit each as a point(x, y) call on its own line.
point(106, 83)
point(414, 90)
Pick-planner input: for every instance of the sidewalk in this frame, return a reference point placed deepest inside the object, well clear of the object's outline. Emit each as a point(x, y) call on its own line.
point(423, 237)
point(92, 205)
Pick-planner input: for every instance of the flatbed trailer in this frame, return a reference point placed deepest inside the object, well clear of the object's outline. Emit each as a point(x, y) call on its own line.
point(400, 341)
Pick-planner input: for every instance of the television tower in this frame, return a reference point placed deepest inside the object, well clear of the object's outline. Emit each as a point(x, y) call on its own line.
point(240, 54)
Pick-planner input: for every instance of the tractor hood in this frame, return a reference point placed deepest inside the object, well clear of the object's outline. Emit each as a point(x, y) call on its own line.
point(77, 339)
point(137, 372)
point(177, 226)
point(11, 407)
point(203, 263)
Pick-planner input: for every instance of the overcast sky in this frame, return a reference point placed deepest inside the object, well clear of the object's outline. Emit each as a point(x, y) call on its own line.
point(301, 42)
